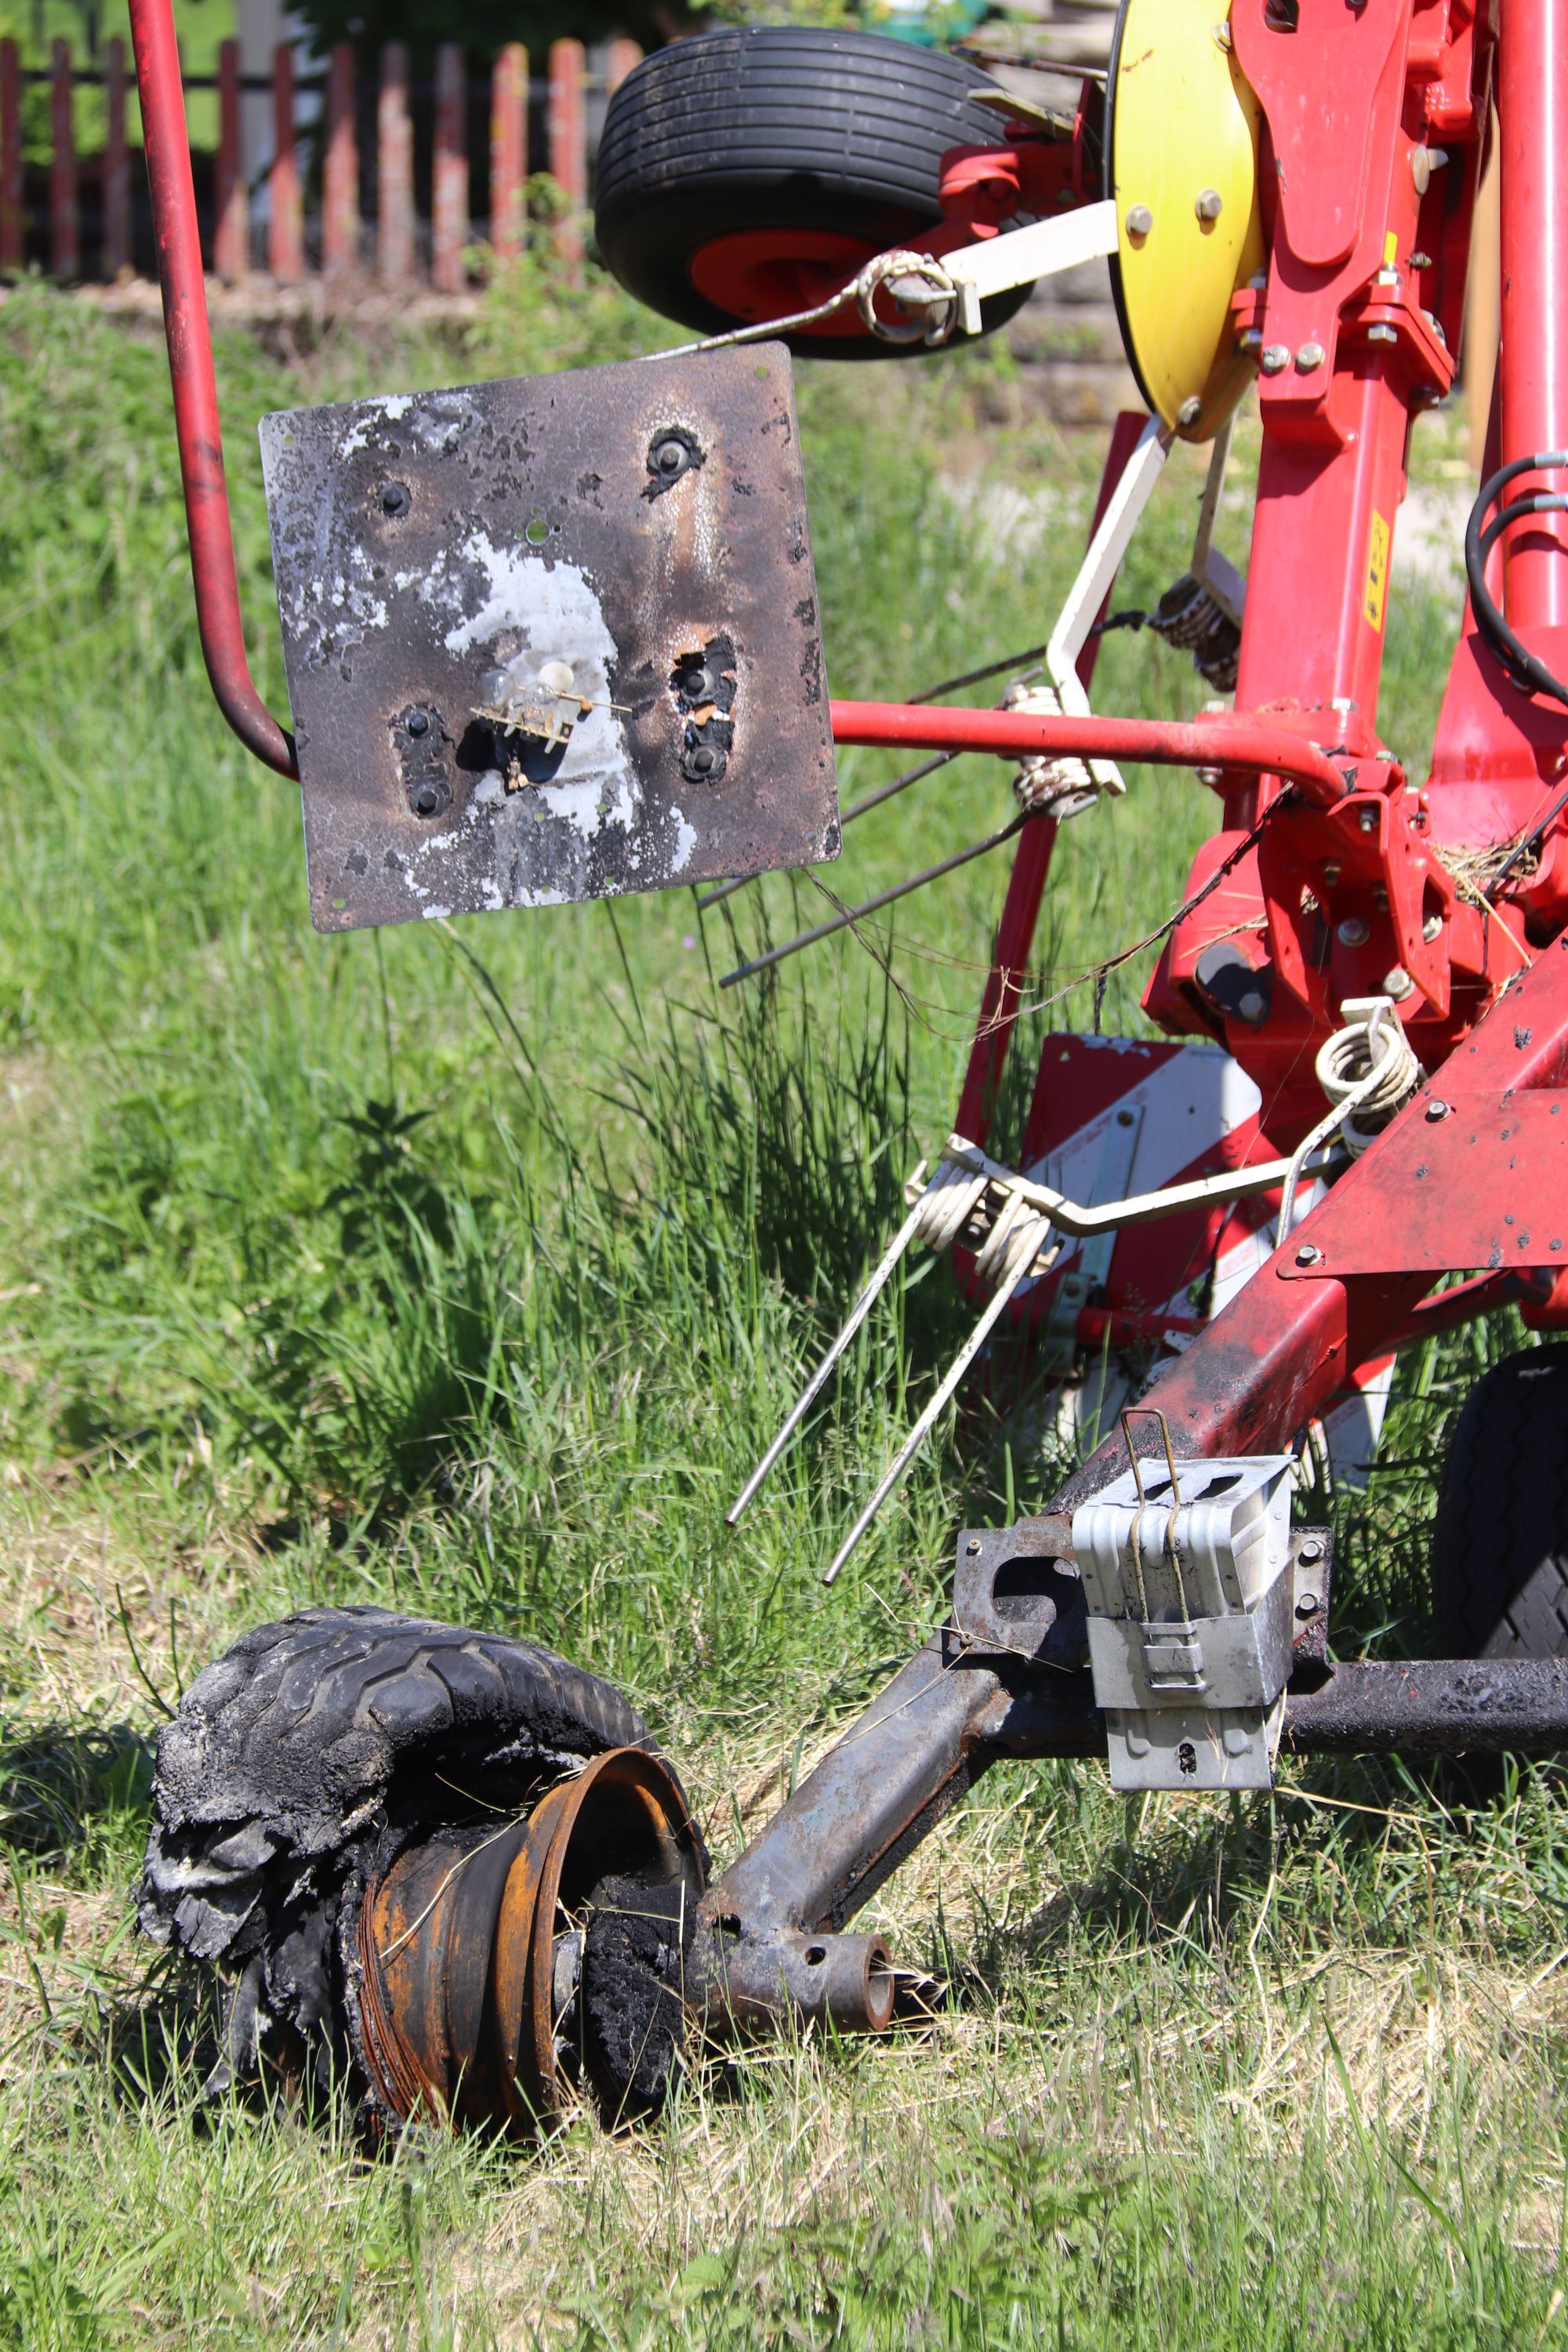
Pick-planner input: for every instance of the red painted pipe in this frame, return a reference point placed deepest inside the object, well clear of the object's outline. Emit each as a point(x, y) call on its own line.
point(1164, 744)
point(196, 423)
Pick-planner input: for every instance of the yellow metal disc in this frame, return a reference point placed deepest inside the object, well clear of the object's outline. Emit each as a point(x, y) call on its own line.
point(1181, 164)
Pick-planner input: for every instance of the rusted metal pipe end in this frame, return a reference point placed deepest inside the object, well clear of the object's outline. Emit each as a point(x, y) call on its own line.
point(506, 1967)
point(755, 1983)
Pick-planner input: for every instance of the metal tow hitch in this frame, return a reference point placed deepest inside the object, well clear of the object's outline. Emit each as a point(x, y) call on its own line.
point(1190, 1598)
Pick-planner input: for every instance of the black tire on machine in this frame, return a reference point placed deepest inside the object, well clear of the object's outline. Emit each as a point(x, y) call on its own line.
point(1499, 1548)
point(833, 139)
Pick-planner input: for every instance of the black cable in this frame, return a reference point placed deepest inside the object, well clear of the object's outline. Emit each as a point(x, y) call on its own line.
point(1517, 659)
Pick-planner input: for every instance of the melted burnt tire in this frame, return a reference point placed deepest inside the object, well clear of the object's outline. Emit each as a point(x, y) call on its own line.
point(299, 1764)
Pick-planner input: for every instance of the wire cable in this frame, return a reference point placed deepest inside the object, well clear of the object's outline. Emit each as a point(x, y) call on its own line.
point(1516, 658)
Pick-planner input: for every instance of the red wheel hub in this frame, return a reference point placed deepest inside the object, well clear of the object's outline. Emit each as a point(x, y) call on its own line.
point(759, 274)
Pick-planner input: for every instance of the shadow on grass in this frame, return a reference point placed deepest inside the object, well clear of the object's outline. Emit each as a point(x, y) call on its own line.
point(61, 1783)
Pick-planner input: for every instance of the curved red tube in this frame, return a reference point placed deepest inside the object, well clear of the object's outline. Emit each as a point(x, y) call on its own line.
point(196, 423)
point(1165, 743)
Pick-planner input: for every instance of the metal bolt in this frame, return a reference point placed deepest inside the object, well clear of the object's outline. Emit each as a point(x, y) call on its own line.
point(1432, 928)
point(1398, 983)
point(1435, 1110)
point(1308, 1605)
point(419, 722)
point(427, 800)
point(670, 455)
point(972, 1546)
point(1124, 1118)
point(695, 686)
point(1421, 169)
point(1139, 221)
point(1420, 262)
point(1309, 357)
point(395, 499)
point(1222, 38)
point(1310, 1553)
point(1367, 820)
point(1309, 1254)
point(1190, 411)
point(704, 758)
point(1330, 871)
point(1276, 358)
point(1210, 203)
point(1354, 931)
point(1382, 335)
point(1213, 777)
point(1252, 1006)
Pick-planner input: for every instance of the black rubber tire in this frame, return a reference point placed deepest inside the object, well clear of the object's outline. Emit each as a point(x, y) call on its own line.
point(296, 1765)
point(1500, 1547)
point(773, 127)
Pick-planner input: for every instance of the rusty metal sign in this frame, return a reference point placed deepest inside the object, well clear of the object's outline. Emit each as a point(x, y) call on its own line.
point(551, 638)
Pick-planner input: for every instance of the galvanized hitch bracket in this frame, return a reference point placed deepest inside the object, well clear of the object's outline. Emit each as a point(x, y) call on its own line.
point(1187, 1584)
point(552, 638)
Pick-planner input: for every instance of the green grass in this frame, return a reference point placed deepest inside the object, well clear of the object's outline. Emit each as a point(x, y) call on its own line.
point(469, 1269)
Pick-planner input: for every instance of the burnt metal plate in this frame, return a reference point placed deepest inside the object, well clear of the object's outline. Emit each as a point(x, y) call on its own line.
point(551, 638)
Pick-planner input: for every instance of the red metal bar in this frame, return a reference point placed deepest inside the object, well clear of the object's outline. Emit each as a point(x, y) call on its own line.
point(286, 223)
point(569, 143)
point(1031, 864)
point(10, 156)
point(196, 424)
point(65, 209)
point(622, 56)
point(1532, 120)
point(449, 196)
point(231, 232)
point(1164, 744)
point(395, 167)
point(340, 166)
point(116, 249)
point(508, 150)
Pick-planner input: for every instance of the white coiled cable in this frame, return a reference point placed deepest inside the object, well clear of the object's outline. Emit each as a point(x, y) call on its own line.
point(1380, 1081)
point(1368, 1062)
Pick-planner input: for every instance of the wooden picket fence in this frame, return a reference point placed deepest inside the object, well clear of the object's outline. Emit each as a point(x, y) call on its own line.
point(41, 216)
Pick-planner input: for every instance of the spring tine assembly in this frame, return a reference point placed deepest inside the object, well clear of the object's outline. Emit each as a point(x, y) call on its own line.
point(1013, 1242)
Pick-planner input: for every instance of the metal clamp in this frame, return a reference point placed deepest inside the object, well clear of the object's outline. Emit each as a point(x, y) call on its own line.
point(1188, 1585)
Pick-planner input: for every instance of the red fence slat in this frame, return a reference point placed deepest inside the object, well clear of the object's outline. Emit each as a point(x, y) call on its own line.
point(116, 252)
point(285, 226)
point(65, 210)
point(10, 156)
point(395, 167)
point(340, 166)
point(231, 230)
point(621, 57)
point(569, 142)
point(509, 148)
point(449, 172)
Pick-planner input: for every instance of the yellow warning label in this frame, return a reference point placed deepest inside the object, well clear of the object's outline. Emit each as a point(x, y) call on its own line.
point(1390, 249)
point(1377, 572)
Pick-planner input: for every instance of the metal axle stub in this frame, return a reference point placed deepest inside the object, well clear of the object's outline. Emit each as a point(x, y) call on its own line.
point(552, 638)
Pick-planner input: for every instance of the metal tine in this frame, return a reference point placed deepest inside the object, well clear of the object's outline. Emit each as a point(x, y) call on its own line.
point(1040, 1227)
point(870, 905)
point(814, 1387)
point(856, 808)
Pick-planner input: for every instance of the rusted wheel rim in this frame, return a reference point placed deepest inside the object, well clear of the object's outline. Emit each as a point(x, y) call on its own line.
point(457, 1941)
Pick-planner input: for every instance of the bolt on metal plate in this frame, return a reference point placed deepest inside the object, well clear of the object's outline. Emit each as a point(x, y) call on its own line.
point(551, 638)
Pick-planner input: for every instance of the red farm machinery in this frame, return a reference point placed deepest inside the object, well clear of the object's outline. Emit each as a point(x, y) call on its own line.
point(558, 638)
